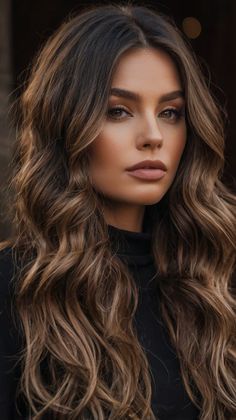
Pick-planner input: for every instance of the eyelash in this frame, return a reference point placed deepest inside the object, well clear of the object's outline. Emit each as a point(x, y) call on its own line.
point(178, 113)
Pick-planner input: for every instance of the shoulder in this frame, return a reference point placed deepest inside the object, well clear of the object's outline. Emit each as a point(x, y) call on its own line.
point(8, 276)
point(8, 269)
point(10, 329)
point(11, 338)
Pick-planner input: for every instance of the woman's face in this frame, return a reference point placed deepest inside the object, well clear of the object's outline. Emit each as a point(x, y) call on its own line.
point(147, 126)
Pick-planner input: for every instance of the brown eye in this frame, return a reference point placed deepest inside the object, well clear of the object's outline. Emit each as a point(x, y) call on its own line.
point(116, 112)
point(172, 112)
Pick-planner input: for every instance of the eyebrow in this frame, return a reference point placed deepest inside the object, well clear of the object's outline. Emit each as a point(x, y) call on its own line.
point(123, 93)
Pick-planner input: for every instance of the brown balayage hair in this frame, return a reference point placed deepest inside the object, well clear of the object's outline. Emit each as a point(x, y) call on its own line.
point(75, 299)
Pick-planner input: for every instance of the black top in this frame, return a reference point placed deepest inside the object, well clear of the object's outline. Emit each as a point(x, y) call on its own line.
point(169, 399)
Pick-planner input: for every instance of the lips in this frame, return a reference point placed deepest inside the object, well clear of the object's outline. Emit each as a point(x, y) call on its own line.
point(148, 164)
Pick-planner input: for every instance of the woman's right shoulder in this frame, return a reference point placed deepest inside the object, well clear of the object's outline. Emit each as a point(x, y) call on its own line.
point(8, 269)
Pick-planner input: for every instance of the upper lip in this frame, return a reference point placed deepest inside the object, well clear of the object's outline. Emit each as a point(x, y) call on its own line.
point(158, 164)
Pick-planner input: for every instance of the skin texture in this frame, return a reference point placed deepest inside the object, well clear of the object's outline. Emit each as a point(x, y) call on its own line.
point(145, 129)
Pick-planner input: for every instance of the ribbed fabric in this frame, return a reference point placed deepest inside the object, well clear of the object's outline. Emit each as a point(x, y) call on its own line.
point(169, 398)
point(134, 247)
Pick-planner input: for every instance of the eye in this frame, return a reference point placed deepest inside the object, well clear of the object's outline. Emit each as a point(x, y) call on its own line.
point(175, 113)
point(115, 112)
point(171, 114)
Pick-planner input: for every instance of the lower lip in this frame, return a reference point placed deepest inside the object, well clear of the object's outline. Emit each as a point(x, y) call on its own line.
point(151, 174)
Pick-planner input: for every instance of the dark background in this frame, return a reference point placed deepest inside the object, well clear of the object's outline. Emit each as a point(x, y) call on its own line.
point(29, 23)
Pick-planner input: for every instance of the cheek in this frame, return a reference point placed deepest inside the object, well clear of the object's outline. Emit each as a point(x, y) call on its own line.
point(106, 154)
point(107, 148)
point(176, 148)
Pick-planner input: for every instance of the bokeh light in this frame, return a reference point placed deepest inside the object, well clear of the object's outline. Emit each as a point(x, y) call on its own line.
point(191, 27)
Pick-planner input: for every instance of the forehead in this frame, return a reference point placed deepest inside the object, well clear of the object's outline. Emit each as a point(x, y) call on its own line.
point(146, 69)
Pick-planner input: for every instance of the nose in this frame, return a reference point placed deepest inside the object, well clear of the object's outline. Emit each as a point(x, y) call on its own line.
point(152, 136)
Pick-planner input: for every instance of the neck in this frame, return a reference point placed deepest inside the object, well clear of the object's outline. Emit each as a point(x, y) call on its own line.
point(125, 217)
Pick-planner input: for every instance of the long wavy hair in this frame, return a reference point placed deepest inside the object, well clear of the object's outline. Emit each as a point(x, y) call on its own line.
point(74, 297)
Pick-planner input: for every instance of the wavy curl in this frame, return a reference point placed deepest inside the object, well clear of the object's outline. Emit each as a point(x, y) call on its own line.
point(75, 298)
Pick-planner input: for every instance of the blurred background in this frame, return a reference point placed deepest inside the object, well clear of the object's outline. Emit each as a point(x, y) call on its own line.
point(209, 27)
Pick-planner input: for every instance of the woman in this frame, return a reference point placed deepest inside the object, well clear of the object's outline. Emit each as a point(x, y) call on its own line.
point(117, 288)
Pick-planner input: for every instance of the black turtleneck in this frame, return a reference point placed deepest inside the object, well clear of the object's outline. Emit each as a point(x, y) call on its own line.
point(169, 398)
